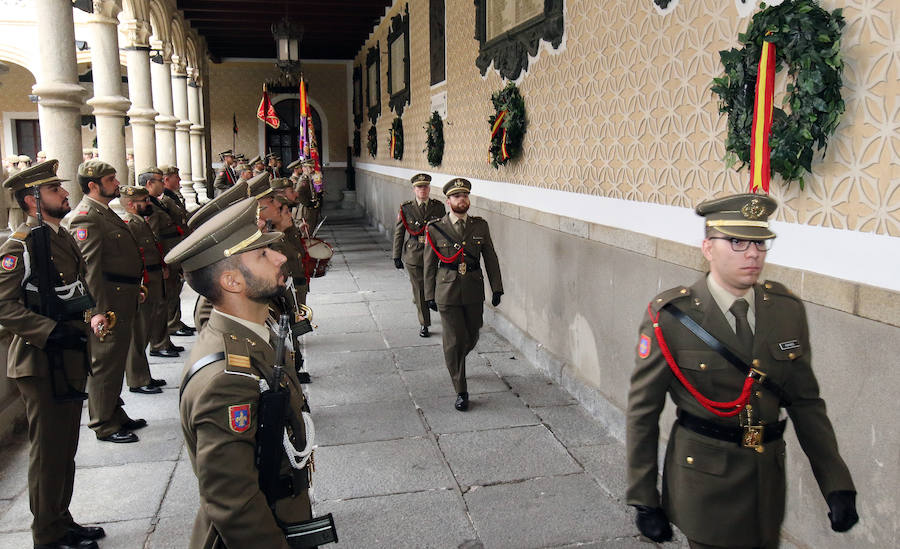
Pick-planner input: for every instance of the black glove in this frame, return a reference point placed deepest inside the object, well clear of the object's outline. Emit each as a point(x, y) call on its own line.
point(495, 300)
point(431, 304)
point(398, 263)
point(653, 523)
point(842, 510)
point(66, 337)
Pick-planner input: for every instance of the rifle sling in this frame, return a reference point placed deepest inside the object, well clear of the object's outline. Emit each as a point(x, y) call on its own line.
point(199, 365)
point(724, 351)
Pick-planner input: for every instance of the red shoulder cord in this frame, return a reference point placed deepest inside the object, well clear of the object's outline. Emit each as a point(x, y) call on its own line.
point(444, 259)
point(145, 276)
point(721, 409)
point(405, 224)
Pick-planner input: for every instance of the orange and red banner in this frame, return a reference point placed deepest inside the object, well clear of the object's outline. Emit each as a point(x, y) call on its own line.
point(497, 124)
point(393, 143)
point(760, 170)
point(266, 112)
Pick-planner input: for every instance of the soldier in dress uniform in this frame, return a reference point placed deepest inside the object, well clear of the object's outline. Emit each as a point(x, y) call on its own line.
point(129, 162)
point(226, 177)
point(52, 392)
point(454, 281)
point(172, 190)
point(136, 202)
point(165, 229)
point(244, 173)
point(228, 261)
point(724, 473)
point(87, 154)
point(113, 277)
point(310, 205)
point(257, 164)
point(172, 203)
point(409, 241)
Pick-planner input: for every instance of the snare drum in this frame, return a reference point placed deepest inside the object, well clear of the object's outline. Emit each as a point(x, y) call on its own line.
point(318, 254)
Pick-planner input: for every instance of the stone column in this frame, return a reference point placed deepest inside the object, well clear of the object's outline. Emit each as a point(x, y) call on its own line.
point(196, 129)
point(182, 131)
point(60, 95)
point(141, 114)
point(108, 103)
point(161, 79)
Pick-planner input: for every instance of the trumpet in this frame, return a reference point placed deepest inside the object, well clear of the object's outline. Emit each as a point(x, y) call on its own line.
point(304, 312)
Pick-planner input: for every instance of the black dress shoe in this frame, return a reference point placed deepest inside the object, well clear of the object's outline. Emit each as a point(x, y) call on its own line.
point(176, 348)
point(134, 424)
point(69, 541)
point(184, 331)
point(86, 532)
point(148, 389)
point(157, 382)
point(462, 402)
point(122, 437)
point(424, 332)
point(164, 353)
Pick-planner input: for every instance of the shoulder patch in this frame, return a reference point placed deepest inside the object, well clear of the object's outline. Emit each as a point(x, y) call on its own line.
point(407, 202)
point(779, 289)
point(9, 262)
point(19, 235)
point(643, 348)
point(82, 212)
point(81, 233)
point(239, 417)
point(669, 295)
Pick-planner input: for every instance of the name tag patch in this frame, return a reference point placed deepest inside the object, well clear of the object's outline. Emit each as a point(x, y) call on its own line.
point(789, 345)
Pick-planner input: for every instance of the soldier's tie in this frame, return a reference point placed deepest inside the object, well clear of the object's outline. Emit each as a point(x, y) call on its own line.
point(741, 326)
point(461, 225)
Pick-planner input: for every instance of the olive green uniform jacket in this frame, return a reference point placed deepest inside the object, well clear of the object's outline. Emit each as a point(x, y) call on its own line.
point(310, 204)
point(52, 425)
point(233, 511)
point(717, 492)
point(447, 286)
point(113, 277)
point(411, 248)
point(169, 224)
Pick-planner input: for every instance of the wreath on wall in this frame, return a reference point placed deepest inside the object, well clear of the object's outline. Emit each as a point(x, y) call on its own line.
point(395, 139)
point(372, 141)
point(357, 143)
point(508, 125)
point(807, 39)
point(434, 139)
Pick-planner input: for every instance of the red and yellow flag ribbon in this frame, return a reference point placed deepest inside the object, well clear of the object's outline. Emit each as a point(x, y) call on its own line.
point(497, 124)
point(393, 142)
point(760, 170)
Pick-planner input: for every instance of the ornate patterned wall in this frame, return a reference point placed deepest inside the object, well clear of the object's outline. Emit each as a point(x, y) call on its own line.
point(623, 109)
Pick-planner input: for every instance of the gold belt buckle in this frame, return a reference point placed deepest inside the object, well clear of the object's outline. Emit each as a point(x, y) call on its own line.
point(753, 437)
point(461, 268)
point(421, 240)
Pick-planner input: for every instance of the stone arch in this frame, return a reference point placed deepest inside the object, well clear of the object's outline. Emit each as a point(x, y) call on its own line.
point(192, 60)
point(159, 29)
point(176, 28)
point(15, 85)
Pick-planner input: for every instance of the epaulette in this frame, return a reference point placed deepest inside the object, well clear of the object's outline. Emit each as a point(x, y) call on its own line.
point(778, 288)
point(237, 355)
point(668, 296)
point(19, 235)
point(407, 202)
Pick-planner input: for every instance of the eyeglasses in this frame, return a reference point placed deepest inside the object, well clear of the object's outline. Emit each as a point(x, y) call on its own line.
point(741, 245)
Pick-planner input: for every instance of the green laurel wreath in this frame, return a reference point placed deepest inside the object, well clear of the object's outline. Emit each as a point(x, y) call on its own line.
point(515, 124)
point(808, 40)
point(434, 139)
point(397, 131)
point(372, 141)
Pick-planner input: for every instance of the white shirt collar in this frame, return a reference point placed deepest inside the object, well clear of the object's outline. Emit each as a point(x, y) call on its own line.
point(725, 299)
point(455, 217)
point(259, 329)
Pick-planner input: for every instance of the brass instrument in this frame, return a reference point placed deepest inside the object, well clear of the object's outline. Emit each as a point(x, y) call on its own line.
point(304, 312)
point(143, 294)
point(105, 328)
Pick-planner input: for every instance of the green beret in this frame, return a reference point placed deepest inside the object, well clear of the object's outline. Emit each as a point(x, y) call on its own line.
point(152, 169)
point(740, 216)
point(42, 173)
point(229, 196)
point(420, 180)
point(168, 169)
point(134, 192)
point(230, 232)
point(95, 169)
point(457, 185)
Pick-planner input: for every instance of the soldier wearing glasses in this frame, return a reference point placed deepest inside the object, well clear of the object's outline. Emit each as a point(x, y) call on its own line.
point(724, 473)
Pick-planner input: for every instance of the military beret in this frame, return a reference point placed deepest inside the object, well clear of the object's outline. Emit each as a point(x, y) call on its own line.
point(740, 216)
point(294, 165)
point(95, 169)
point(259, 183)
point(457, 185)
point(281, 183)
point(153, 170)
point(308, 162)
point(420, 180)
point(136, 193)
point(229, 196)
point(168, 169)
point(42, 173)
point(255, 159)
point(230, 232)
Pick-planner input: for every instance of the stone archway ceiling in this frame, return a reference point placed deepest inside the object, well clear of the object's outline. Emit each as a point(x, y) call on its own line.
point(333, 29)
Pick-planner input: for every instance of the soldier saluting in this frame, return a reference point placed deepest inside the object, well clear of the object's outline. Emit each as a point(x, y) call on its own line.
point(454, 282)
point(409, 241)
point(731, 353)
point(43, 302)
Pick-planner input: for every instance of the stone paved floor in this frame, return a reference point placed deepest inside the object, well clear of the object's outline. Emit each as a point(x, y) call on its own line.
point(525, 467)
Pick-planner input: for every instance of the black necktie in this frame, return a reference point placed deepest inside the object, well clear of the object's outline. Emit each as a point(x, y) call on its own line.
point(741, 326)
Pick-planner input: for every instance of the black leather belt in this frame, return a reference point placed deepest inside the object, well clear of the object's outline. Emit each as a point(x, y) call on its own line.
point(154, 268)
point(122, 279)
point(174, 234)
point(773, 431)
point(470, 267)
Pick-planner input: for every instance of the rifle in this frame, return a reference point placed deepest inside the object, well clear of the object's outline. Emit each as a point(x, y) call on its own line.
point(270, 435)
point(50, 305)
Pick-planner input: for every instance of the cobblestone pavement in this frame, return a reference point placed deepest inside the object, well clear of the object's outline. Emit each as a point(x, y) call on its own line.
point(525, 467)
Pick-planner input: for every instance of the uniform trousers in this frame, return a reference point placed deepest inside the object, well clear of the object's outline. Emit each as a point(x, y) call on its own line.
point(137, 369)
point(459, 329)
point(105, 385)
point(158, 325)
point(53, 436)
point(417, 281)
point(174, 284)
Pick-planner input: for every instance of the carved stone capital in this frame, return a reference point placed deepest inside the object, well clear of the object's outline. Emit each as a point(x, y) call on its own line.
point(106, 11)
point(137, 34)
point(178, 66)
